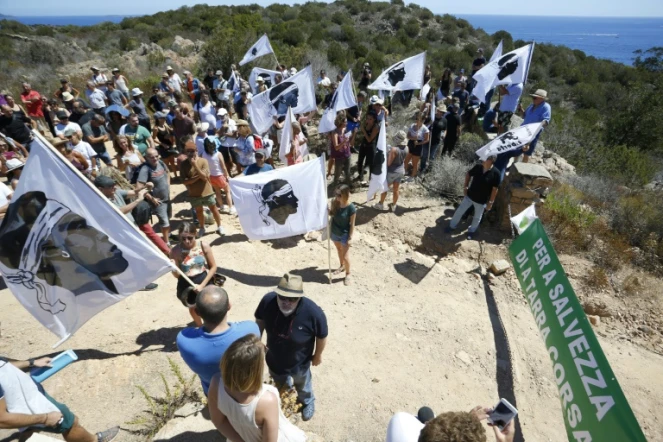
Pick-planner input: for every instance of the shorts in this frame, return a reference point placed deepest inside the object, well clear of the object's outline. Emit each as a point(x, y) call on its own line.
point(394, 177)
point(203, 201)
point(343, 239)
point(163, 212)
point(67, 416)
point(351, 126)
point(504, 119)
point(166, 151)
point(414, 149)
point(218, 182)
point(183, 284)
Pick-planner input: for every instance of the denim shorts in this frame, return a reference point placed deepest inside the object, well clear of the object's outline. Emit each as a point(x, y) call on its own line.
point(343, 239)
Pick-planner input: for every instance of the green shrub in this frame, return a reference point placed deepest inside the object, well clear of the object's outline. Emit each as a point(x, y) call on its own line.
point(450, 38)
point(412, 28)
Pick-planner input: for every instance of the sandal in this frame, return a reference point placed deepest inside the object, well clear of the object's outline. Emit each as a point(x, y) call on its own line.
point(338, 271)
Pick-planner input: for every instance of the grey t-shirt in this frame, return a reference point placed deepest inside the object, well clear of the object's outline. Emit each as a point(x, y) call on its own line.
point(115, 97)
point(119, 201)
point(90, 131)
point(139, 109)
point(397, 164)
point(157, 175)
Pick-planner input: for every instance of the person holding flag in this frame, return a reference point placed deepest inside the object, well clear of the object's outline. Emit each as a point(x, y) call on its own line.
point(395, 169)
point(537, 112)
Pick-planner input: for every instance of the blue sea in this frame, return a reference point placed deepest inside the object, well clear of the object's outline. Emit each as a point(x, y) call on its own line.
point(613, 38)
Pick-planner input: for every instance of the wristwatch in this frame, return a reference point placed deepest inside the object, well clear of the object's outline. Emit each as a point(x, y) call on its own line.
point(31, 363)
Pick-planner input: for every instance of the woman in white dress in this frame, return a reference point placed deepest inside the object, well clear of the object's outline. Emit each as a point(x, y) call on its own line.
point(242, 407)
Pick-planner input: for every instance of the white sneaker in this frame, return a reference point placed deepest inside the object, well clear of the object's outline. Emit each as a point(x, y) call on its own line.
point(378, 206)
point(201, 233)
point(224, 208)
point(233, 211)
point(220, 231)
point(392, 207)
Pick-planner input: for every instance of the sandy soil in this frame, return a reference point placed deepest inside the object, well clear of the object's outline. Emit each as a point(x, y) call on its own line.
point(414, 329)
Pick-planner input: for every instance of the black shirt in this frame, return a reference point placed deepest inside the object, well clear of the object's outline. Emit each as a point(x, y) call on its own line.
point(482, 183)
point(15, 127)
point(209, 81)
point(240, 109)
point(82, 119)
point(291, 339)
point(478, 62)
point(453, 121)
point(437, 129)
point(352, 113)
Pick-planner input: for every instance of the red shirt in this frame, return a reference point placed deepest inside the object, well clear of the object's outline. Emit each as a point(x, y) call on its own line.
point(33, 107)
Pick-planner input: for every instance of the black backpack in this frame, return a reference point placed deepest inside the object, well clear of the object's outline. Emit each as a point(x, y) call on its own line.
point(378, 160)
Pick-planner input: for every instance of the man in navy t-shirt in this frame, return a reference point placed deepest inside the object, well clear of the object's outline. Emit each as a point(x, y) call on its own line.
point(296, 337)
point(203, 347)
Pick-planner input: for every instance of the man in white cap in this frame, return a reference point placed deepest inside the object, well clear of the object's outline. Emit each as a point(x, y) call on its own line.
point(377, 105)
point(137, 105)
point(98, 78)
point(296, 337)
point(201, 135)
point(221, 91)
point(537, 112)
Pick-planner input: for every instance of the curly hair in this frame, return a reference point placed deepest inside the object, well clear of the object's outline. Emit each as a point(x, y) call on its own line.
point(453, 426)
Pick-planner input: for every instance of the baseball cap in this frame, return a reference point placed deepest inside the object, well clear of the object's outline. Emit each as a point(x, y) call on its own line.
point(62, 114)
point(222, 111)
point(104, 181)
point(219, 72)
point(69, 132)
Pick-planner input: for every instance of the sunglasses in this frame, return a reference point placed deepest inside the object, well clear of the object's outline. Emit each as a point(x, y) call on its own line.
point(187, 238)
point(287, 298)
point(190, 152)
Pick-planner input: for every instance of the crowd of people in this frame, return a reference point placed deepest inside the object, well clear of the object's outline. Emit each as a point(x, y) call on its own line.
point(200, 134)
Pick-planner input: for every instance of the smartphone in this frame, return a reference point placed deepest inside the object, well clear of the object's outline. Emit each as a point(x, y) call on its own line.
point(502, 414)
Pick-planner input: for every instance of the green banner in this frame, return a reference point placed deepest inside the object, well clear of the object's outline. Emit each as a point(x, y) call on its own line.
point(593, 403)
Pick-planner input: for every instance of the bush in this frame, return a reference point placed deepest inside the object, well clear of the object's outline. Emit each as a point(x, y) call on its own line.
point(450, 38)
point(412, 28)
point(448, 176)
point(467, 145)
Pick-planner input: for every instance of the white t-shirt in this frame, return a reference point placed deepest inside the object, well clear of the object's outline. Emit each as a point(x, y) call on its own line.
point(403, 427)
point(175, 82)
point(86, 150)
point(60, 128)
point(421, 133)
point(207, 113)
point(96, 98)
point(5, 192)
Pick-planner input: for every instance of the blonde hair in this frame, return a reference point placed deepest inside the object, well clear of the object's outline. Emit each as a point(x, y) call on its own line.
point(242, 365)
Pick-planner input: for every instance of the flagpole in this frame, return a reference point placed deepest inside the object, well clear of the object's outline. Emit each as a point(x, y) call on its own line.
point(76, 172)
point(324, 161)
point(278, 66)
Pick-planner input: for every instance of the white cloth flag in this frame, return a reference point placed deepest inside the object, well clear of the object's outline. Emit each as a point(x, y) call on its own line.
point(497, 53)
point(403, 76)
point(510, 140)
point(510, 68)
point(424, 91)
point(343, 98)
point(265, 74)
point(259, 48)
point(522, 220)
point(378, 183)
point(282, 202)
point(297, 92)
point(286, 135)
point(65, 253)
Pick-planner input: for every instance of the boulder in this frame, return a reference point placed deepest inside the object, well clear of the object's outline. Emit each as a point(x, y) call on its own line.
point(182, 44)
point(530, 175)
point(500, 266)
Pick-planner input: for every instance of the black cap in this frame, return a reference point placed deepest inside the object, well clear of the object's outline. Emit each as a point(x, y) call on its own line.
point(104, 181)
point(62, 115)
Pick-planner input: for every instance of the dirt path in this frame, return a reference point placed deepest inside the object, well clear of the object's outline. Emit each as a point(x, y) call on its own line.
point(412, 330)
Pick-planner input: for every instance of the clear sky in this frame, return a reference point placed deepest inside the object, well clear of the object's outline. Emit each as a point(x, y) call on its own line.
point(587, 8)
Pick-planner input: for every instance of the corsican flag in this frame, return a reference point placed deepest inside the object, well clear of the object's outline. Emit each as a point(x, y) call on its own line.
point(523, 220)
point(259, 48)
point(424, 91)
point(282, 202)
point(343, 98)
point(265, 74)
point(65, 252)
point(378, 183)
point(510, 68)
point(497, 53)
point(296, 92)
point(403, 76)
point(510, 140)
point(233, 83)
point(286, 135)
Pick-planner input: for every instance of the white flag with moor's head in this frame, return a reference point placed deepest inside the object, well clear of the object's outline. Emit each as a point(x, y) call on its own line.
point(259, 48)
point(65, 252)
point(510, 140)
point(343, 98)
point(509, 68)
point(285, 143)
point(378, 182)
point(266, 75)
point(497, 53)
point(282, 202)
point(403, 76)
point(296, 92)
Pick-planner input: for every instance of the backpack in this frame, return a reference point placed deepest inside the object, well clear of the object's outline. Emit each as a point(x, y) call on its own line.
point(136, 172)
point(257, 142)
point(378, 160)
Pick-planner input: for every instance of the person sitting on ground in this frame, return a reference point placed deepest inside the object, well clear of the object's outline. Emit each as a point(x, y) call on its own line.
point(240, 405)
point(15, 125)
point(128, 158)
point(80, 146)
point(94, 132)
point(218, 174)
point(297, 331)
point(156, 172)
point(25, 406)
point(195, 174)
point(343, 215)
point(260, 165)
point(480, 193)
point(418, 136)
point(203, 347)
point(115, 96)
point(395, 169)
point(196, 260)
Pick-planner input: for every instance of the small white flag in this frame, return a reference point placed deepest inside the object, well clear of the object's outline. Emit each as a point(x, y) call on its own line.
point(424, 91)
point(510, 140)
point(286, 135)
point(510, 68)
point(296, 92)
point(284, 202)
point(523, 220)
point(432, 112)
point(65, 253)
point(265, 74)
point(259, 48)
point(497, 53)
point(378, 183)
point(403, 76)
point(343, 98)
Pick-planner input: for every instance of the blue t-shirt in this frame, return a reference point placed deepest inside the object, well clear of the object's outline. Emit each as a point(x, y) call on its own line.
point(537, 114)
point(509, 103)
point(203, 351)
point(291, 339)
point(253, 168)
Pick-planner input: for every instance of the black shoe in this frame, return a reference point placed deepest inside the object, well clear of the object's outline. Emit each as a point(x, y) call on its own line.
point(149, 287)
